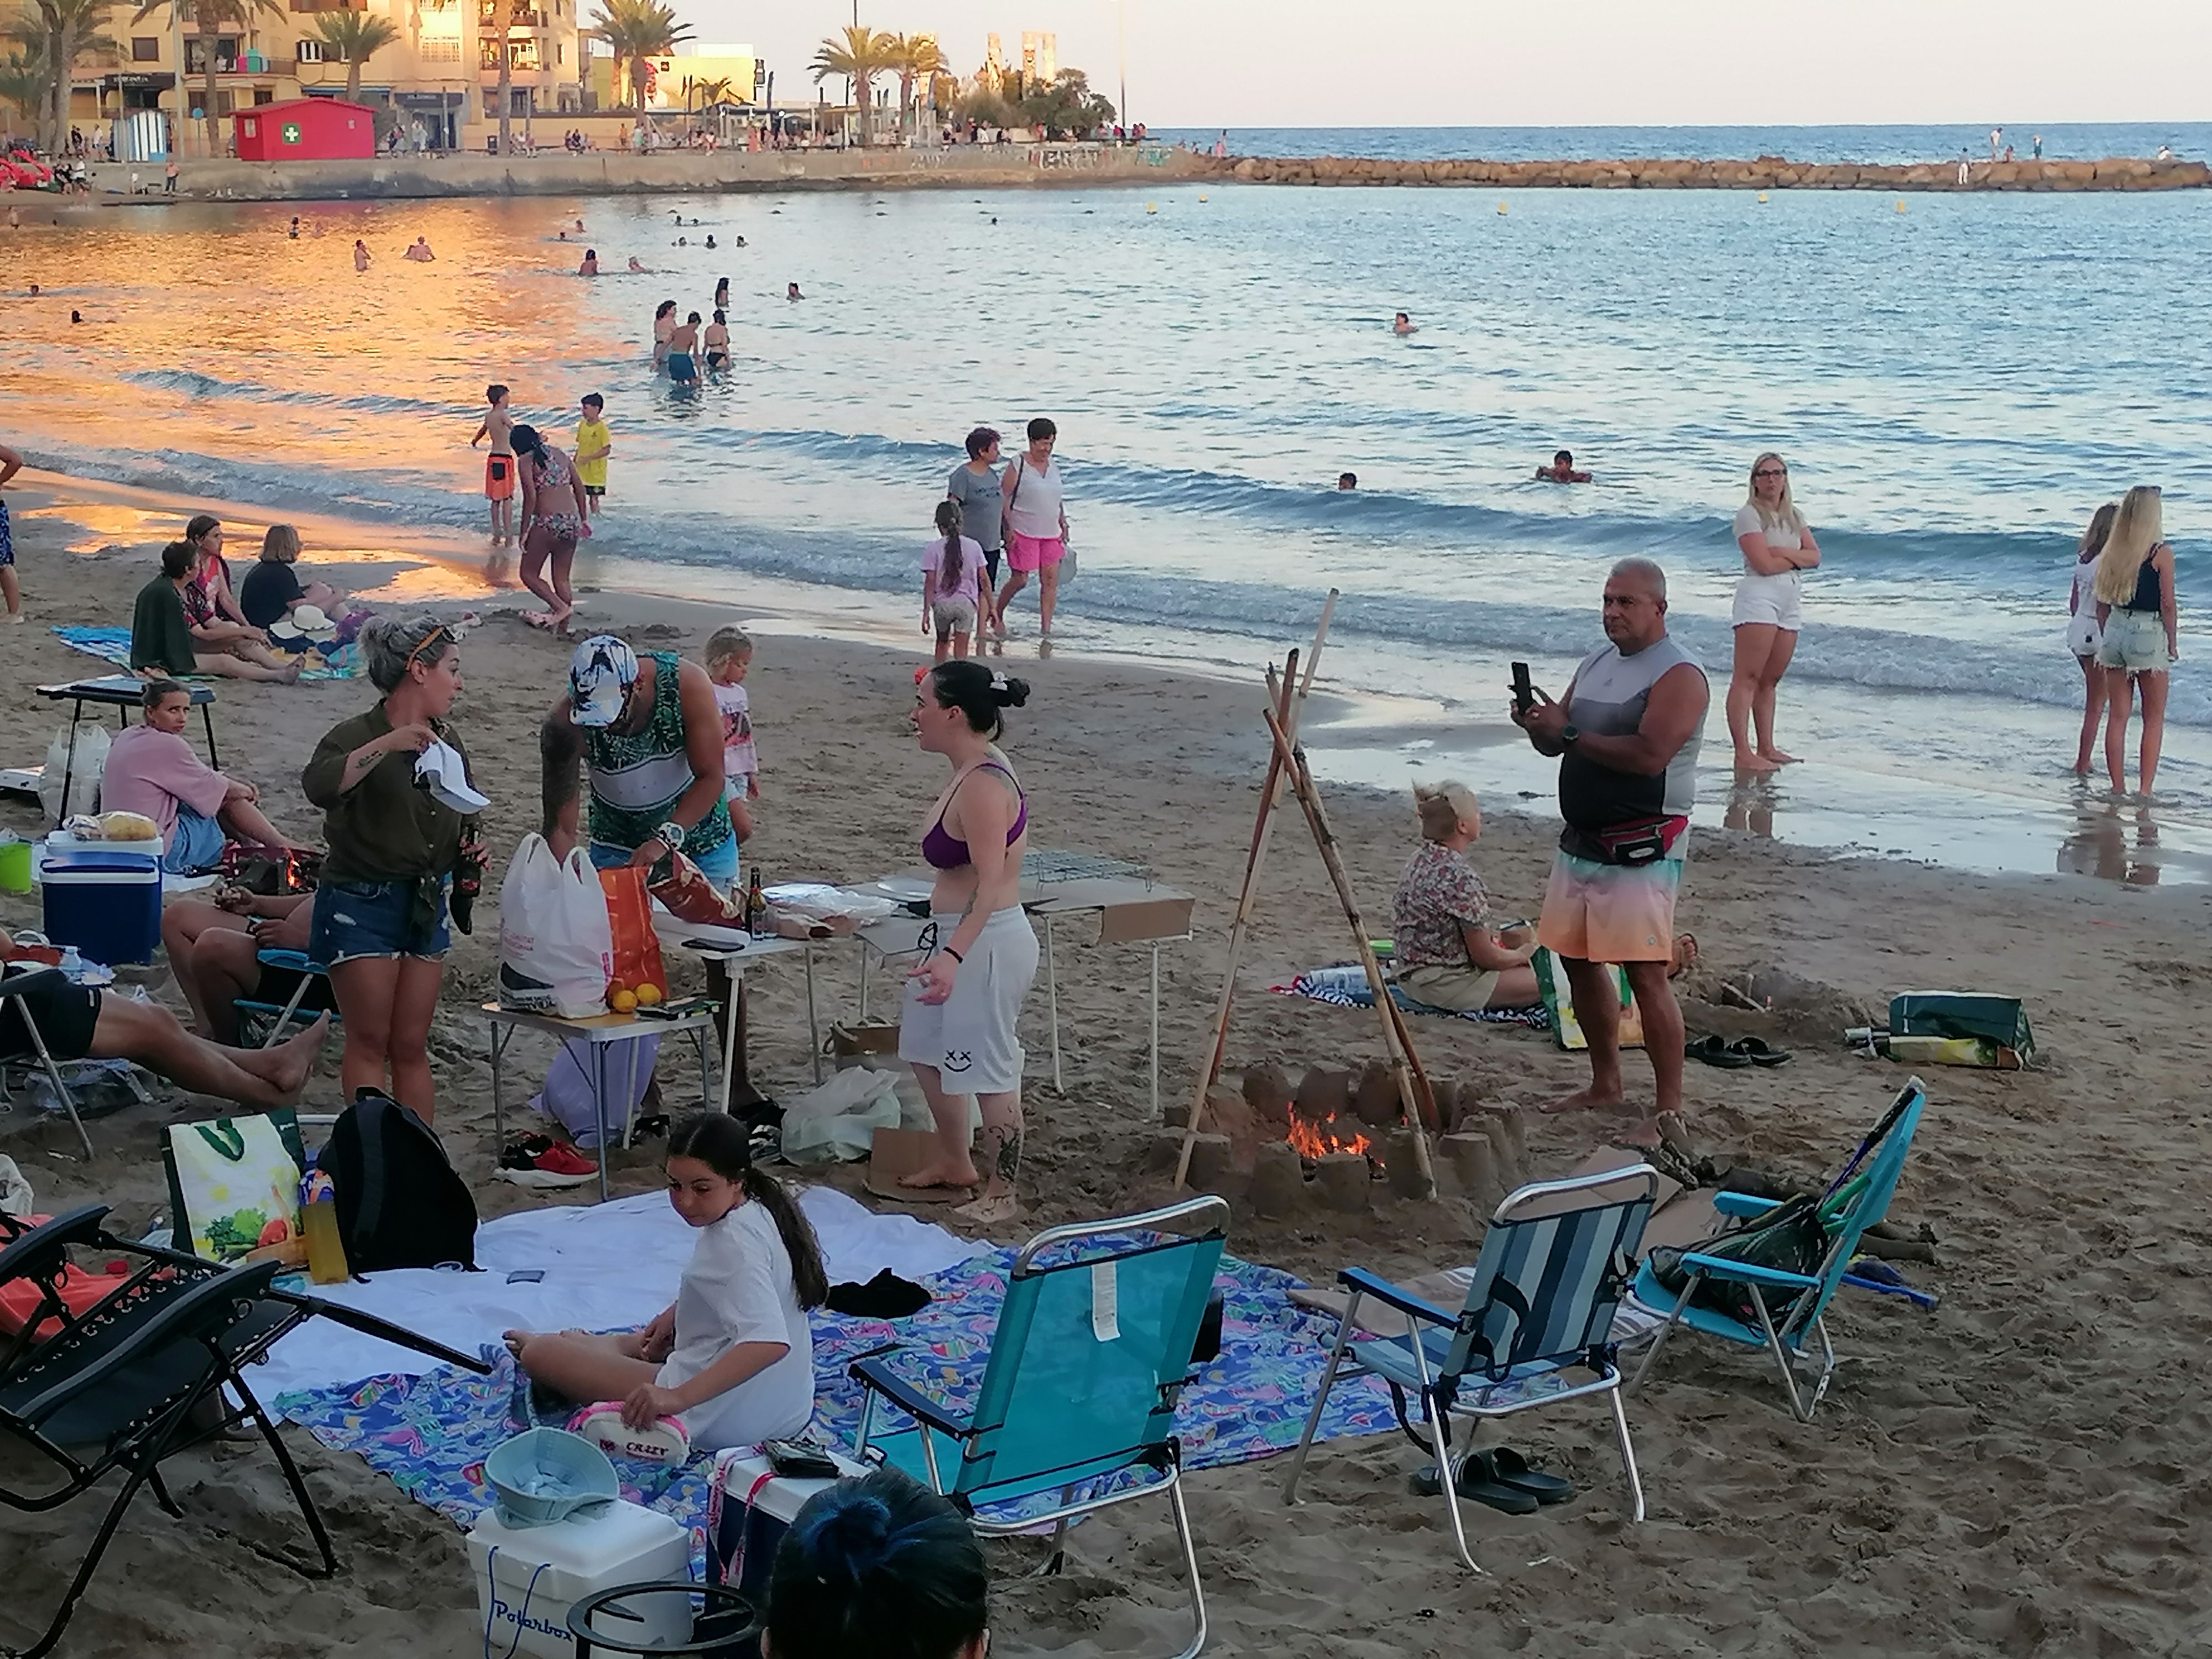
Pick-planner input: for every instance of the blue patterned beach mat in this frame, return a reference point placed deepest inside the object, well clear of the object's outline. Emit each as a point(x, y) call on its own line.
point(1346, 987)
point(432, 1432)
point(113, 645)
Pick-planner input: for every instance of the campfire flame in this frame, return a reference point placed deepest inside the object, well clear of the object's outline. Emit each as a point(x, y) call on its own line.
point(1313, 1140)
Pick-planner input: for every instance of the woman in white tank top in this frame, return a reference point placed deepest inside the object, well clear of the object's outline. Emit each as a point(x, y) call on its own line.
point(2083, 636)
point(1777, 549)
point(1036, 523)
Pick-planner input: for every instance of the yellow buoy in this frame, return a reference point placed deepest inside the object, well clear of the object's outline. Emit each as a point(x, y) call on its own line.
point(1762, 196)
point(1149, 208)
point(1202, 198)
point(1501, 207)
point(1900, 205)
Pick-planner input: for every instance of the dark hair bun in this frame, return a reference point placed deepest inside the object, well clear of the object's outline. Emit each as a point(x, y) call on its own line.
point(1016, 693)
point(850, 1540)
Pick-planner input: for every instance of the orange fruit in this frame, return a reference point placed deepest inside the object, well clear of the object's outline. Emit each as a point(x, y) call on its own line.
point(648, 995)
point(623, 1002)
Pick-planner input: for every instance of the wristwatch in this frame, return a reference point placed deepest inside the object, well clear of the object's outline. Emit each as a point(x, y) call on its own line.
point(1568, 733)
point(671, 836)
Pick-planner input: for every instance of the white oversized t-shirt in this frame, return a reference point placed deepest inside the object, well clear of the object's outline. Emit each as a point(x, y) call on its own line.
point(1779, 536)
point(738, 1289)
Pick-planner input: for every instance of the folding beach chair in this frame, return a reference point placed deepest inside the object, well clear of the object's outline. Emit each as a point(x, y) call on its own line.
point(15, 981)
point(142, 1374)
point(279, 1016)
point(1093, 1346)
point(1855, 1200)
point(1539, 1310)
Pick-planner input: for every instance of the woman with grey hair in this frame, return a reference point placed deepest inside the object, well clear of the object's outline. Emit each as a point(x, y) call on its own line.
point(379, 919)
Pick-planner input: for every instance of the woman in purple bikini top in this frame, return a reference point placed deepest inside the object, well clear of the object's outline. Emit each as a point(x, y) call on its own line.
point(943, 850)
point(956, 715)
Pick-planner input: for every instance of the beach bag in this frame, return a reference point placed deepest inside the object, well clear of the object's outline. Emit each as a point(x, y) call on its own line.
point(556, 950)
point(84, 770)
point(686, 893)
point(566, 1097)
point(837, 1122)
point(1559, 1003)
point(234, 1188)
point(629, 925)
point(1788, 1238)
point(400, 1202)
point(1990, 1031)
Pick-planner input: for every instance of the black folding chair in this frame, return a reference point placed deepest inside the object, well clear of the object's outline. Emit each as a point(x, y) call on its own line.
point(140, 1377)
point(16, 979)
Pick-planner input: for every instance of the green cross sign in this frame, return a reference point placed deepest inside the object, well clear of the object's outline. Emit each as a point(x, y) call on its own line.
point(290, 133)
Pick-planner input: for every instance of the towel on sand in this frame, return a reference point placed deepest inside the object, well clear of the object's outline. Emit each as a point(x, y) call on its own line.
point(1345, 987)
point(113, 645)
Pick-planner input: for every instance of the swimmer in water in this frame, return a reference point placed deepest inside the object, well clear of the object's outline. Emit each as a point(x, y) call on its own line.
point(294, 232)
point(717, 342)
point(792, 293)
point(684, 241)
point(1562, 469)
point(77, 316)
point(682, 342)
point(591, 265)
point(663, 327)
point(722, 294)
point(710, 239)
point(360, 254)
point(1404, 325)
point(1347, 481)
point(637, 269)
point(420, 253)
point(34, 290)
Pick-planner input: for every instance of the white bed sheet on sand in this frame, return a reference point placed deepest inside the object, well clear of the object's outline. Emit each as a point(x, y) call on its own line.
point(606, 1267)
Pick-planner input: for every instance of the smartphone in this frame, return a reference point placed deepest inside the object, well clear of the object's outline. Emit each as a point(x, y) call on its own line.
point(799, 1459)
point(1524, 694)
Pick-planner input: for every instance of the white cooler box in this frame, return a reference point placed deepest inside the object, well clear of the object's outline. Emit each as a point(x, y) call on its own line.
point(528, 1578)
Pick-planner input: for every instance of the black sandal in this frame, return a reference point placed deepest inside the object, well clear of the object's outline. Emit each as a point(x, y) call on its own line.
point(1714, 1051)
point(1478, 1481)
point(1755, 1050)
point(1513, 1470)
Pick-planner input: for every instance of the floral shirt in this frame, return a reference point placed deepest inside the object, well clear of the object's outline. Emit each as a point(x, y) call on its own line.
point(1439, 891)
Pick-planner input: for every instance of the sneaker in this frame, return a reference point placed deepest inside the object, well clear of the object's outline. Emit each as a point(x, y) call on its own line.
point(542, 1161)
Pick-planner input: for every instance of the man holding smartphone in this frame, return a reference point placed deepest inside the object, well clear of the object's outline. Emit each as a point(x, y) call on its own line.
point(1627, 735)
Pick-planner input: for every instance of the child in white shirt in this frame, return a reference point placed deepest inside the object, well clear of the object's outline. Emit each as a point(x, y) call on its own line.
point(954, 601)
point(732, 1357)
point(729, 659)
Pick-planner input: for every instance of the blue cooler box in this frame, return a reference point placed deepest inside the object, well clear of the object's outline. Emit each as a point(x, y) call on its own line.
point(106, 904)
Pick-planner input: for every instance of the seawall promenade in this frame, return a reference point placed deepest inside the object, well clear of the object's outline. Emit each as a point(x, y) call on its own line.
point(1766, 173)
point(617, 173)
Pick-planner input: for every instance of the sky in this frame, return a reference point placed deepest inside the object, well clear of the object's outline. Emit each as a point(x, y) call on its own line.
point(1511, 63)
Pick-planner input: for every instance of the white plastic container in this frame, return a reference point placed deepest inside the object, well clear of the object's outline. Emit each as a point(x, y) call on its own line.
point(528, 1578)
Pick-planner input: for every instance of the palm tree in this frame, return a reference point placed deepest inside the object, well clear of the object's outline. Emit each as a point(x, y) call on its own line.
point(356, 37)
point(23, 83)
point(914, 57)
point(209, 18)
point(56, 34)
point(862, 55)
point(503, 23)
point(635, 30)
point(709, 93)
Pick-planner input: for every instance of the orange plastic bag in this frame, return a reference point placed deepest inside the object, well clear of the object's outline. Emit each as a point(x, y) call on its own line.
point(637, 948)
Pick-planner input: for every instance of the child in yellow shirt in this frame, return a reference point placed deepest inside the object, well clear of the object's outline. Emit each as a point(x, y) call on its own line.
point(593, 445)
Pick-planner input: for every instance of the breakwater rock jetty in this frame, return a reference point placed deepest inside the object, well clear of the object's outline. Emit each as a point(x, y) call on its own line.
point(1765, 172)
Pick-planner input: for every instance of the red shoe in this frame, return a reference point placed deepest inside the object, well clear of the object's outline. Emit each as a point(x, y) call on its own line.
point(541, 1161)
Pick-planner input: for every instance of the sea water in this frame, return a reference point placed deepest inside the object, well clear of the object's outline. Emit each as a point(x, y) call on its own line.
point(1956, 386)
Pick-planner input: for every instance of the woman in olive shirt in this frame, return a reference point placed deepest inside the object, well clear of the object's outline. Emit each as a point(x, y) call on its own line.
point(380, 919)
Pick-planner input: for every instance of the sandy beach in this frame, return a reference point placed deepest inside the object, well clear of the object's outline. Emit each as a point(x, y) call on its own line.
point(2011, 1473)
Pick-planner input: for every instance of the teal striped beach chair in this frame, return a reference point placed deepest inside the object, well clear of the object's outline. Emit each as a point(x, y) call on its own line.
point(1789, 1308)
point(1535, 1330)
point(1078, 1398)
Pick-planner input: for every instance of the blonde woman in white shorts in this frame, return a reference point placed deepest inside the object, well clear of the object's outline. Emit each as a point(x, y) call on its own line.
point(964, 998)
point(1779, 548)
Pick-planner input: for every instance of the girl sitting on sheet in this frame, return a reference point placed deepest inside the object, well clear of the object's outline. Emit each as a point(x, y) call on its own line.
point(733, 1356)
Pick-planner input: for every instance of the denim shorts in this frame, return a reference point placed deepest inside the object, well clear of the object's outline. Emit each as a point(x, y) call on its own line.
point(358, 919)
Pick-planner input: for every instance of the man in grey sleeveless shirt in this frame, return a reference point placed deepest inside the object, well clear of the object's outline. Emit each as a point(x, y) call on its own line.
point(1627, 735)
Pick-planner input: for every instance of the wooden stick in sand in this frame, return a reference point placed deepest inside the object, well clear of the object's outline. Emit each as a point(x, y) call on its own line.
point(1413, 1090)
point(1255, 857)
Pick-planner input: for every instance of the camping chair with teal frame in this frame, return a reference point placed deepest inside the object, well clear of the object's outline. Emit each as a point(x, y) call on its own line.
point(1540, 1305)
point(1078, 1398)
point(279, 1017)
point(1855, 1199)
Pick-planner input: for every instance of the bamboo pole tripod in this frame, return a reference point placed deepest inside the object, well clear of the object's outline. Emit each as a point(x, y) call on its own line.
point(1287, 772)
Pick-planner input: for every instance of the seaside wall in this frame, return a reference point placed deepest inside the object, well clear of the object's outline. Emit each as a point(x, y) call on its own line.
point(614, 172)
point(1767, 172)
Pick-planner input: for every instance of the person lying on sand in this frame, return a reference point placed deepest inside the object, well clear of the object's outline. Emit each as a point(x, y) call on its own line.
point(79, 1022)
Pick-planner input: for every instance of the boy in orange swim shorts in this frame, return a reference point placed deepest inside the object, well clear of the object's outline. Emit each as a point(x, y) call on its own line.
point(499, 465)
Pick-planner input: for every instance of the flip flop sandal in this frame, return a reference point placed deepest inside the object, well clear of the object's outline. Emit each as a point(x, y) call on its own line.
point(1478, 1482)
point(1755, 1050)
point(1714, 1051)
point(1513, 1470)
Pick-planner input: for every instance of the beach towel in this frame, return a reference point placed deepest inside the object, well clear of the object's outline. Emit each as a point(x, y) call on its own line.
point(1346, 987)
point(112, 645)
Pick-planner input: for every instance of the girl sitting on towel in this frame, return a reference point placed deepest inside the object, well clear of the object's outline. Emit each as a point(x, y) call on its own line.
point(732, 1357)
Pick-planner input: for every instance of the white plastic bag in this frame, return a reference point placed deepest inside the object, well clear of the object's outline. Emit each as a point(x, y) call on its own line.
point(556, 951)
point(570, 1088)
point(838, 1122)
point(84, 770)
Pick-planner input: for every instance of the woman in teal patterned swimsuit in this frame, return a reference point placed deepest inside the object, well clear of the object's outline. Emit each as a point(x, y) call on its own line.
point(651, 738)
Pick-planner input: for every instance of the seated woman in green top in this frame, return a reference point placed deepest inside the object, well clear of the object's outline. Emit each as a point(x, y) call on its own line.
point(380, 921)
point(162, 638)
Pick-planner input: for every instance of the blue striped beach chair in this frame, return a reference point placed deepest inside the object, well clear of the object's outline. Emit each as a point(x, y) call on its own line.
point(280, 1018)
point(1855, 1199)
point(1078, 1398)
point(1536, 1327)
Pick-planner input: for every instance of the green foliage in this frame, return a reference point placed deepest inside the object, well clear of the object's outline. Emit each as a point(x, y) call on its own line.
point(635, 30)
point(355, 37)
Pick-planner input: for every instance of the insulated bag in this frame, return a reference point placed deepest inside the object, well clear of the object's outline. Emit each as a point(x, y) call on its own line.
point(400, 1202)
point(234, 1188)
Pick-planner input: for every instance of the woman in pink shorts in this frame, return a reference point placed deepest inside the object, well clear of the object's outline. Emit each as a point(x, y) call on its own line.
point(1036, 523)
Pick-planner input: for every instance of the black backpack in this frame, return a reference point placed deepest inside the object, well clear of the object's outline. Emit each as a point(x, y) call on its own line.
point(400, 1202)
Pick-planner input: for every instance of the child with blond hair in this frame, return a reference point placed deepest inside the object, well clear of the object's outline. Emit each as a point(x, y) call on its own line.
point(729, 659)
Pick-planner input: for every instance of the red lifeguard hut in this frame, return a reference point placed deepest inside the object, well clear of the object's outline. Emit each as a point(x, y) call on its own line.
point(306, 129)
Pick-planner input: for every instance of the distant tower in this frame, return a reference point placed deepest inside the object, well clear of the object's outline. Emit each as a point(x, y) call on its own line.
point(1040, 58)
point(992, 75)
